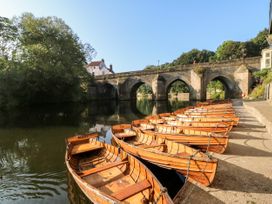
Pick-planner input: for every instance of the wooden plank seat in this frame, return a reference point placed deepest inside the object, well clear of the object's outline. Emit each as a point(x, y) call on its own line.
point(80, 148)
point(146, 127)
point(101, 168)
point(131, 190)
point(125, 134)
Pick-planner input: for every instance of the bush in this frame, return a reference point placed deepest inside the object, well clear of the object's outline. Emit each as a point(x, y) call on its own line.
point(258, 92)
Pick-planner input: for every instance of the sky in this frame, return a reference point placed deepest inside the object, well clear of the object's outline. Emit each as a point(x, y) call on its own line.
point(131, 34)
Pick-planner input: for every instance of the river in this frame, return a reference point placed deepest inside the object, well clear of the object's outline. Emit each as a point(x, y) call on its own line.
point(32, 145)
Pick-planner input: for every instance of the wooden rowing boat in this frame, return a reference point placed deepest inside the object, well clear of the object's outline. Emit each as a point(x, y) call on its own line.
point(204, 141)
point(192, 163)
point(184, 127)
point(201, 118)
point(107, 174)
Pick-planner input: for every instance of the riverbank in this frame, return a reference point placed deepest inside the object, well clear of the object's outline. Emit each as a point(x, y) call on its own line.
point(244, 173)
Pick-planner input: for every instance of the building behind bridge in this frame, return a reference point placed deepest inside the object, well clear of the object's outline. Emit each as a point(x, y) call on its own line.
point(98, 68)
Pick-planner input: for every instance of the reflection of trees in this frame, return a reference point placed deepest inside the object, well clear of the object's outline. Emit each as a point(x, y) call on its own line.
point(176, 104)
point(145, 106)
point(48, 115)
point(31, 161)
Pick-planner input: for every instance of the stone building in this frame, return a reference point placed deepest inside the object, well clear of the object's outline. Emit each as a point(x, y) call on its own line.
point(266, 60)
point(97, 68)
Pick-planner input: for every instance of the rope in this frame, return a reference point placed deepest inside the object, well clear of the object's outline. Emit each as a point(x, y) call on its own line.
point(164, 190)
point(209, 142)
point(189, 163)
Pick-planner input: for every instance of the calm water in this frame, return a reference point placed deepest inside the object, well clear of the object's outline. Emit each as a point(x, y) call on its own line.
point(32, 146)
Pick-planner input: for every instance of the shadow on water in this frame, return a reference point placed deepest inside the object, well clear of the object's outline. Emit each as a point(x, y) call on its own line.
point(170, 179)
point(32, 145)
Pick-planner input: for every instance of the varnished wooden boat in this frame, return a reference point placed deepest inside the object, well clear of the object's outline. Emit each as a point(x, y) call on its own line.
point(219, 127)
point(107, 174)
point(192, 163)
point(204, 141)
point(201, 118)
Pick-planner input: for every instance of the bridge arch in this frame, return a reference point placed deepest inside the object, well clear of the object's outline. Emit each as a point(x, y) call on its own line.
point(129, 88)
point(227, 81)
point(107, 91)
point(176, 79)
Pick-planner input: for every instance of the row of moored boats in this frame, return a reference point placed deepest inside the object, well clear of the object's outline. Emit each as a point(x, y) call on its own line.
point(182, 141)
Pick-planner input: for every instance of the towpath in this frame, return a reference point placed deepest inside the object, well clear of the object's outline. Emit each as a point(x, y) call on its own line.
point(244, 173)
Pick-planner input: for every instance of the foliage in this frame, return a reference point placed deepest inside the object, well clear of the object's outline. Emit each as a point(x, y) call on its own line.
point(199, 70)
point(235, 49)
point(260, 40)
point(144, 90)
point(226, 51)
point(193, 56)
point(179, 87)
point(145, 106)
point(46, 64)
point(150, 67)
point(258, 92)
point(216, 90)
point(261, 74)
point(264, 77)
point(8, 33)
point(229, 50)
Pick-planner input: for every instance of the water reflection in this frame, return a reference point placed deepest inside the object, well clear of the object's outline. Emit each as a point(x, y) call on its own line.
point(32, 145)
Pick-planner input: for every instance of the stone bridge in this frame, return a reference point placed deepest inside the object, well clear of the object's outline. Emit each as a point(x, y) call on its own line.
point(236, 76)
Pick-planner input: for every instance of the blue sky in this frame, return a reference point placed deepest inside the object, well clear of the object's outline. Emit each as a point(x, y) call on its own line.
point(132, 34)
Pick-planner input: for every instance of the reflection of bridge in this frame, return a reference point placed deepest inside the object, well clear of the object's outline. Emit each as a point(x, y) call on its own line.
point(235, 75)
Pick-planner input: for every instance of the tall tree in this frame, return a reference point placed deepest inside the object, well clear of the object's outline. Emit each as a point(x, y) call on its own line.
point(195, 55)
point(48, 62)
point(260, 40)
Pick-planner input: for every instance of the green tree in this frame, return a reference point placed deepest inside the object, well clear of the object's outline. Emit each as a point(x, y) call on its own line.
point(8, 38)
point(179, 87)
point(260, 40)
point(144, 90)
point(216, 89)
point(229, 50)
point(47, 64)
point(194, 56)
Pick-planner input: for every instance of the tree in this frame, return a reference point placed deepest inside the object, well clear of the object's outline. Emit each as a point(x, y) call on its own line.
point(179, 87)
point(144, 90)
point(229, 50)
point(194, 56)
point(47, 64)
point(260, 40)
point(8, 36)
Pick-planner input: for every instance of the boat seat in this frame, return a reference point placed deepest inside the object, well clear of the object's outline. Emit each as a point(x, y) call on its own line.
point(84, 148)
point(101, 168)
point(131, 190)
point(125, 134)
